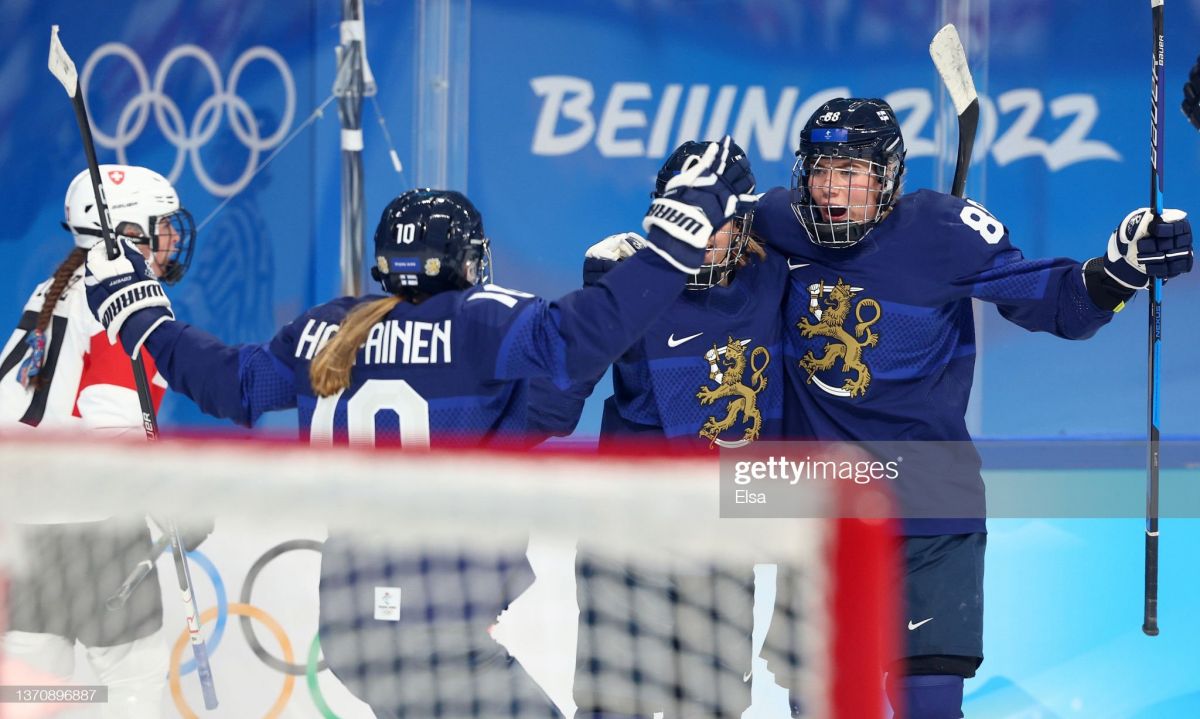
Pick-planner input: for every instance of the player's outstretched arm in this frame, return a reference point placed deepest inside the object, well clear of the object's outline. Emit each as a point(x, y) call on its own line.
point(1059, 295)
point(576, 337)
point(555, 412)
point(131, 304)
point(1140, 248)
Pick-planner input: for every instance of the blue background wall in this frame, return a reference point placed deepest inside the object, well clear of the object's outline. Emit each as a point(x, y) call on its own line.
point(570, 109)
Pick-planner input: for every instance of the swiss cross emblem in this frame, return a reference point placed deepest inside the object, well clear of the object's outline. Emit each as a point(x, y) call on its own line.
point(116, 176)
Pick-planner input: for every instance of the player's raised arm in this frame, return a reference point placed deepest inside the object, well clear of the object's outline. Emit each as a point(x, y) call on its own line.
point(574, 338)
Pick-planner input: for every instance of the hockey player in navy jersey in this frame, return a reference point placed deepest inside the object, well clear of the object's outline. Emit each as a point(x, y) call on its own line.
point(880, 348)
point(705, 375)
point(450, 356)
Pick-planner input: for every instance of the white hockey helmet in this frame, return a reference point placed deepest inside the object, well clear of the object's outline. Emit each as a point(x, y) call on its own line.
point(141, 205)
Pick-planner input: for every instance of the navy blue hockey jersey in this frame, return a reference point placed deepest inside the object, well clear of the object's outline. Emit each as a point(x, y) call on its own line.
point(880, 341)
point(685, 377)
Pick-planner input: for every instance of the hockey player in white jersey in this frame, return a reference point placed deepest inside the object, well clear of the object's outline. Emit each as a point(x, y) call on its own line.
point(59, 371)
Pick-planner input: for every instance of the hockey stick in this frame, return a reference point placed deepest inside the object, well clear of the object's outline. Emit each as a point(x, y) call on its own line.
point(951, 62)
point(1150, 608)
point(63, 68)
point(140, 570)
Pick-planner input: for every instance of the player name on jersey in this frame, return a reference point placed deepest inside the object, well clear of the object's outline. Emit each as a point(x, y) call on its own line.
point(389, 341)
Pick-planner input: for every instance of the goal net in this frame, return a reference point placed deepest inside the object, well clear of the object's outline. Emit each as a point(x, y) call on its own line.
point(357, 583)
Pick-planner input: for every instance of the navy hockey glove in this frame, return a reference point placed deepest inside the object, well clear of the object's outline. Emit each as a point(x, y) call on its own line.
point(125, 296)
point(1139, 249)
point(605, 254)
point(1142, 248)
point(710, 189)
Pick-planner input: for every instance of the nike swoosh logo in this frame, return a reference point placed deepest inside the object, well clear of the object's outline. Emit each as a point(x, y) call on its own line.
point(912, 626)
point(672, 342)
point(746, 677)
point(796, 266)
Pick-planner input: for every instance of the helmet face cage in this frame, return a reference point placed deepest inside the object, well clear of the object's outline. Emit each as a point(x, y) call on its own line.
point(850, 150)
point(868, 186)
point(724, 262)
point(175, 234)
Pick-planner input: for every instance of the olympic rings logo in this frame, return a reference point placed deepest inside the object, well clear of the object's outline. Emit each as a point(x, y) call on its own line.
point(313, 665)
point(189, 138)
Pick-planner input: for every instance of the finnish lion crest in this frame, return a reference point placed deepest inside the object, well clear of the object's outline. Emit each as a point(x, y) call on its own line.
point(726, 367)
point(847, 346)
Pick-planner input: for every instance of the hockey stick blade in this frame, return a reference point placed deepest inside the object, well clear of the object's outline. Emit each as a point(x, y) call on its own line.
point(61, 65)
point(951, 62)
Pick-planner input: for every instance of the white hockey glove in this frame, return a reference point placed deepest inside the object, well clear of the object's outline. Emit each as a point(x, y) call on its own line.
point(125, 295)
point(709, 190)
point(1142, 248)
point(605, 254)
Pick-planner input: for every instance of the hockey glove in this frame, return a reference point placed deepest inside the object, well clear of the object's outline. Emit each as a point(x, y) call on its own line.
point(710, 189)
point(1139, 249)
point(1142, 248)
point(125, 296)
point(605, 254)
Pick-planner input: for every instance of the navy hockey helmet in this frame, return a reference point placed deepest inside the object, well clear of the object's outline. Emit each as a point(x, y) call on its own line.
point(430, 241)
point(835, 200)
point(720, 263)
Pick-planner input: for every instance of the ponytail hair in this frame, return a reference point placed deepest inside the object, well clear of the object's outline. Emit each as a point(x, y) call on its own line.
point(330, 369)
point(30, 371)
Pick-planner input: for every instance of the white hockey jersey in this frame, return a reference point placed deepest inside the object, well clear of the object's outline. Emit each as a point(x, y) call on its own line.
point(90, 381)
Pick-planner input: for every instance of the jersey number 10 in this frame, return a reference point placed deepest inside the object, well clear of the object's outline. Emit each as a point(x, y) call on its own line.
point(373, 397)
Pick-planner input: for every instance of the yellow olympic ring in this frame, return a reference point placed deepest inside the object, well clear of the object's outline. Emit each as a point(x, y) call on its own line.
point(235, 609)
